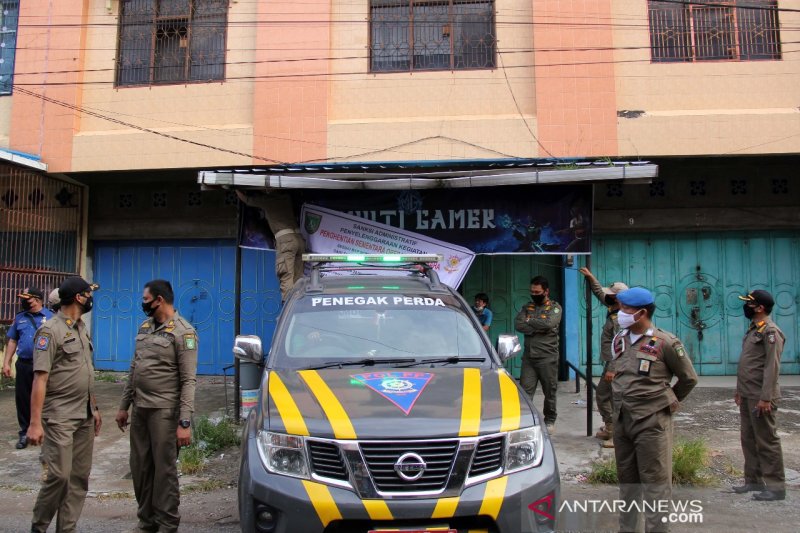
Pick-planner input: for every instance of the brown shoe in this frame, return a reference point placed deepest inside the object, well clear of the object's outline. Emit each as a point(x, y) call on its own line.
point(607, 443)
point(605, 432)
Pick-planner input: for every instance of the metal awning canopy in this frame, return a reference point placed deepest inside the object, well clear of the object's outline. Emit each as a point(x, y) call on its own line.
point(431, 174)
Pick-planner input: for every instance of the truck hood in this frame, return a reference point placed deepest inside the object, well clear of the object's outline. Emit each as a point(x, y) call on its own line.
point(395, 403)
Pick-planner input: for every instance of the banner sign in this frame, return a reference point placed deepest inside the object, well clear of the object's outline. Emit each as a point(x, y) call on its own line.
point(522, 219)
point(331, 232)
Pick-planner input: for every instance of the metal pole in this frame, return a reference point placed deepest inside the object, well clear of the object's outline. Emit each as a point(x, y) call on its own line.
point(589, 354)
point(237, 312)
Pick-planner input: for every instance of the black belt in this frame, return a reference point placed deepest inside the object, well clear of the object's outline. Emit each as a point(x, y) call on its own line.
point(24, 361)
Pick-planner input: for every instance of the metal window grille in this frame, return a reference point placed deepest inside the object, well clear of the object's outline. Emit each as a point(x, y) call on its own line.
point(734, 30)
point(445, 35)
point(40, 233)
point(9, 17)
point(171, 41)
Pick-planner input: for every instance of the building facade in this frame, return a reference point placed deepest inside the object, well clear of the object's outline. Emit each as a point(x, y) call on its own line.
point(132, 97)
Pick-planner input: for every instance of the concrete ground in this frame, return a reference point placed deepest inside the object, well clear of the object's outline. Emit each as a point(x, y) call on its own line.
point(709, 412)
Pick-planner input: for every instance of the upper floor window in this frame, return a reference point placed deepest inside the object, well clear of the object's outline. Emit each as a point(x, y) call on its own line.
point(9, 16)
point(709, 30)
point(171, 41)
point(431, 35)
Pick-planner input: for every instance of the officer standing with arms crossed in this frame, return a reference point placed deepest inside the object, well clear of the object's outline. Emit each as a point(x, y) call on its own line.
point(757, 393)
point(20, 340)
point(646, 359)
point(539, 322)
point(64, 414)
point(607, 295)
point(161, 385)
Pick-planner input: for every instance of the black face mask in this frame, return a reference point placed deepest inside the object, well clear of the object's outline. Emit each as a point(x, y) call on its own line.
point(749, 312)
point(610, 300)
point(148, 308)
point(26, 305)
point(538, 299)
point(88, 304)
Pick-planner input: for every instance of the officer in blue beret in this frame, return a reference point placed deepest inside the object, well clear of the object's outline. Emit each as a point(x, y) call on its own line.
point(646, 358)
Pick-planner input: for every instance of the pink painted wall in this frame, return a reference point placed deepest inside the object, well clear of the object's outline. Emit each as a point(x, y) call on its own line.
point(49, 41)
point(575, 89)
point(290, 108)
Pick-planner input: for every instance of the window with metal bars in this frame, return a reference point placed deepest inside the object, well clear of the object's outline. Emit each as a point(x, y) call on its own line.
point(171, 41)
point(437, 35)
point(9, 16)
point(714, 30)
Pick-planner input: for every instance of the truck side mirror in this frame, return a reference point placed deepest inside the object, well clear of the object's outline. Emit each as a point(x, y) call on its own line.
point(248, 348)
point(508, 345)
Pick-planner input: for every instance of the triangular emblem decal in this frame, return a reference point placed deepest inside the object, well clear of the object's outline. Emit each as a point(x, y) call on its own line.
point(400, 388)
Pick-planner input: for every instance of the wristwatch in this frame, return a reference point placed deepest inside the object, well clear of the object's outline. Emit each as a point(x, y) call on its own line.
point(185, 423)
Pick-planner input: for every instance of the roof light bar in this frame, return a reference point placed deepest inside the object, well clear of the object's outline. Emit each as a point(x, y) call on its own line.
point(372, 258)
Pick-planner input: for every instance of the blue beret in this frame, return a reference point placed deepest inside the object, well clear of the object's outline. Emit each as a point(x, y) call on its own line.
point(635, 297)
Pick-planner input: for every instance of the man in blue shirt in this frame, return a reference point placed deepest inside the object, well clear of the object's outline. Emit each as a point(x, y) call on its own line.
point(482, 310)
point(20, 340)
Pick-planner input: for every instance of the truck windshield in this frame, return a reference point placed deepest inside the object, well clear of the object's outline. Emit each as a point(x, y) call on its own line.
point(377, 326)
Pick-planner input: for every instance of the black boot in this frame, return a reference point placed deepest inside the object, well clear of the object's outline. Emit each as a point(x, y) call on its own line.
point(770, 495)
point(749, 487)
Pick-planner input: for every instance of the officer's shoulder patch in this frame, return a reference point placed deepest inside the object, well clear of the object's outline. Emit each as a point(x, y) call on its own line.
point(145, 324)
point(42, 341)
point(556, 310)
point(190, 341)
point(771, 337)
point(679, 349)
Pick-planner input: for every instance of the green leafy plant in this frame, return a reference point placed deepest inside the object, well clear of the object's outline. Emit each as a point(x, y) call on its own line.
point(603, 471)
point(208, 437)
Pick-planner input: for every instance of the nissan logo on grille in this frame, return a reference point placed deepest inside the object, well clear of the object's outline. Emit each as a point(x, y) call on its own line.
point(410, 466)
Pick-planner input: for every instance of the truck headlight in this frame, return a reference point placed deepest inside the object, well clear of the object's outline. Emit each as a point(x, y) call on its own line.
point(525, 449)
point(283, 454)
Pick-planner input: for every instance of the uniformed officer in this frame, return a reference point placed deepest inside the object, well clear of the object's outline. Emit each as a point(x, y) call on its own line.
point(539, 321)
point(757, 394)
point(64, 414)
point(161, 385)
point(289, 243)
point(20, 340)
point(646, 359)
point(608, 296)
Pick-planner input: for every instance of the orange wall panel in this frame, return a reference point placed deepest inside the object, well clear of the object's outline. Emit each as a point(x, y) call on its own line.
point(290, 107)
point(575, 88)
point(47, 60)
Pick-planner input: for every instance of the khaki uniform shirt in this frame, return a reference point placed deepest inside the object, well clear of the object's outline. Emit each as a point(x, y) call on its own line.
point(539, 324)
point(164, 367)
point(610, 328)
point(63, 349)
point(277, 209)
point(645, 369)
point(760, 362)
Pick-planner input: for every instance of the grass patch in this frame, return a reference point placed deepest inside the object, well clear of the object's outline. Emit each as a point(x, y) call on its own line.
point(208, 438)
point(206, 485)
point(192, 460)
point(603, 472)
point(106, 377)
point(690, 459)
point(689, 462)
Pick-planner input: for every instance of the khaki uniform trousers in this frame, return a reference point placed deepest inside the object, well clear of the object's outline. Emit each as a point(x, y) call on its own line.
point(763, 456)
point(289, 250)
point(544, 371)
point(643, 450)
point(155, 475)
point(66, 463)
point(603, 396)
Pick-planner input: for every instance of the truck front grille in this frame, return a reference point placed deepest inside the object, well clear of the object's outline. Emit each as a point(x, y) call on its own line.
point(488, 456)
point(382, 456)
point(326, 460)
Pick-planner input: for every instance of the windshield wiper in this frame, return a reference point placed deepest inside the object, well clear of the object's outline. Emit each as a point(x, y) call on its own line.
point(453, 359)
point(361, 362)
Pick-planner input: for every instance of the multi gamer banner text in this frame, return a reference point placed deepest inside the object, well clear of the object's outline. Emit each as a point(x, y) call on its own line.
point(525, 219)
